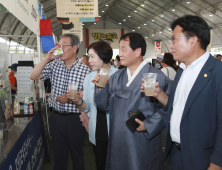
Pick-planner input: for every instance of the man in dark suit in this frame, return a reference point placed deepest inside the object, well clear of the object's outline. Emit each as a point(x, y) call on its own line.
point(194, 125)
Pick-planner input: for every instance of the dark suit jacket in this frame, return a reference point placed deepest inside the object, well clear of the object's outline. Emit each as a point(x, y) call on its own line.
point(201, 123)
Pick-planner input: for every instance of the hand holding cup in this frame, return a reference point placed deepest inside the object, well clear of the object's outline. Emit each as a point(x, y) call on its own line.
point(75, 99)
point(50, 55)
point(101, 78)
point(157, 89)
point(96, 79)
point(73, 90)
point(149, 81)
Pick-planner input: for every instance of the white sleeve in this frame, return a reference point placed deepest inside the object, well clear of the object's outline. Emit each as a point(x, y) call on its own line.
point(164, 70)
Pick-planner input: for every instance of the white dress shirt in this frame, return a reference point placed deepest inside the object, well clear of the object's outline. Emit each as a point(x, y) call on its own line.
point(183, 89)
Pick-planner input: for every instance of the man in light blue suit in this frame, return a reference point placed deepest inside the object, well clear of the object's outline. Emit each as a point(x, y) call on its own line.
point(194, 128)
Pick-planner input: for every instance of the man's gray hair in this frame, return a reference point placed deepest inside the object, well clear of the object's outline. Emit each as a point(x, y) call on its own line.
point(87, 57)
point(74, 40)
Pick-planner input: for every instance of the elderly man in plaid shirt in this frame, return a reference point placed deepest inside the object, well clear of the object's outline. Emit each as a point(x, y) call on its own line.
point(67, 130)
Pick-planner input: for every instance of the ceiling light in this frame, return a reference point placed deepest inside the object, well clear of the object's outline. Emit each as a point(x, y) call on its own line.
point(133, 30)
point(210, 15)
point(188, 2)
point(107, 5)
point(144, 24)
point(160, 32)
point(142, 5)
point(94, 23)
point(99, 16)
point(173, 9)
point(152, 20)
point(138, 27)
point(153, 35)
point(135, 11)
point(103, 11)
point(83, 24)
point(124, 20)
point(169, 29)
point(120, 23)
point(146, 37)
point(161, 15)
point(129, 16)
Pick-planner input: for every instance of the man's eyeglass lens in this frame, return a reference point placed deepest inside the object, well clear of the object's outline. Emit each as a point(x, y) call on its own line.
point(61, 46)
point(173, 38)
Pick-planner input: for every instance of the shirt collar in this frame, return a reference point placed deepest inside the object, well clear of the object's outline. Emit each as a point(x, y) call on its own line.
point(131, 78)
point(197, 62)
point(73, 65)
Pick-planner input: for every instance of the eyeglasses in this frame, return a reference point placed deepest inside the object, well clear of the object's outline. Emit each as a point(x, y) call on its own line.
point(61, 46)
point(173, 38)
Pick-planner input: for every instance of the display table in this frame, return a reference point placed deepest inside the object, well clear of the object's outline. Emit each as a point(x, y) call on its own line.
point(22, 147)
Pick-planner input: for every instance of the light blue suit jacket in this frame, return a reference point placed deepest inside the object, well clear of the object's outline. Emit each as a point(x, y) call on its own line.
point(88, 97)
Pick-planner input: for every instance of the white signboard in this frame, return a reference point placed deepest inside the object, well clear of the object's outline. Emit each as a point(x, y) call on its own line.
point(26, 11)
point(77, 29)
point(21, 57)
point(77, 8)
point(157, 47)
point(111, 36)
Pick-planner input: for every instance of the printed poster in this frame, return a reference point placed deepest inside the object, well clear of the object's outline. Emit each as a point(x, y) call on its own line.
point(77, 8)
point(111, 36)
point(158, 47)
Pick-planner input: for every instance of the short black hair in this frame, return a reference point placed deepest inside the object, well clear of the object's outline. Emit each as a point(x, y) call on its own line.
point(136, 41)
point(74, 40)
point(87, 57)
point(194, 26)
point(14, 66)
point(117, 57)
point(168, 59)
point(218, 55)
point(103, 50)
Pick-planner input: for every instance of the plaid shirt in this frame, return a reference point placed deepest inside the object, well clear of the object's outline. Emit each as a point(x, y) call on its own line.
point(60, 76)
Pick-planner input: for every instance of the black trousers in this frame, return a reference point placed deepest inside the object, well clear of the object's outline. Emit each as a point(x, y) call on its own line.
point(100, 151)
point(67, 135)
point(175, 161)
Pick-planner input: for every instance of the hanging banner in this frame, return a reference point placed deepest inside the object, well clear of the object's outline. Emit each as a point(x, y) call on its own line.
point(211, 34)
point(74, 27)
point(77, 8)
point(91, 19)
point(109, 35)
point(26, 11)
point(158, 47)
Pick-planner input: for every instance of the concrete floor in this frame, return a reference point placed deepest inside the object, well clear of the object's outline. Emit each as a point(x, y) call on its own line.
point(89, 157)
